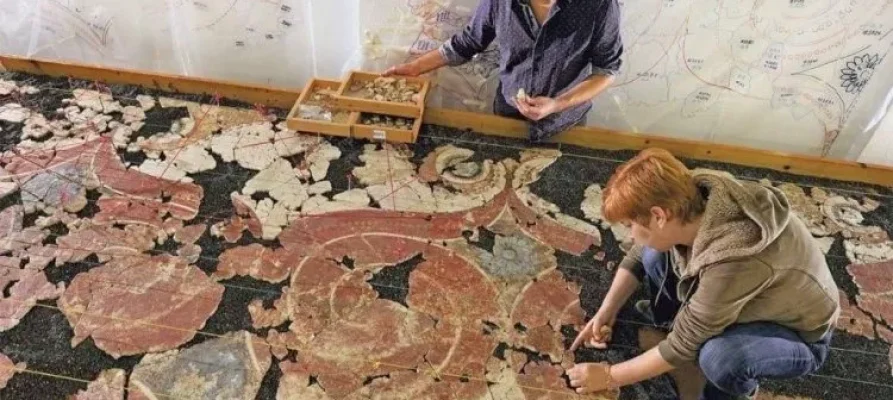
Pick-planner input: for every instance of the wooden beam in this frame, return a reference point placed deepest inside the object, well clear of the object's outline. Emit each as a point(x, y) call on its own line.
point(255, 94)
point(589, 137)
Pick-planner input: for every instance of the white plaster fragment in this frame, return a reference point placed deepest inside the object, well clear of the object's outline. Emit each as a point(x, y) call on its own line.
point(96, 101)
point(389, 163)
point(133, 114)
point(13, 112)
point(407, 195)
point(191, 159)
point(250, 145)
point(317, 161)
point(281, 182)
point(121, 136)
point(146, 102)
point(353, 199)
point(36, 126)
point(320, 187)
point(164, 170)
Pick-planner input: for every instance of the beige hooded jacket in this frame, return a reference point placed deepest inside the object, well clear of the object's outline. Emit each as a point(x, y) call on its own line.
point(753, 260)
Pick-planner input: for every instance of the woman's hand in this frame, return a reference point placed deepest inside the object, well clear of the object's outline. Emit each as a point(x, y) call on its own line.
point(597, 332)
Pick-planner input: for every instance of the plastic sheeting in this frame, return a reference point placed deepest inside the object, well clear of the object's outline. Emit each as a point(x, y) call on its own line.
point(254, 41)
point(802, 76)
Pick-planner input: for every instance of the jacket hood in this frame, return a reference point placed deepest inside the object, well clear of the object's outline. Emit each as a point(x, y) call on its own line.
point(740, 219)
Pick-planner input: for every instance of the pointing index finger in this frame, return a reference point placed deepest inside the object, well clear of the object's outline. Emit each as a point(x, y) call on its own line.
point(580, 338)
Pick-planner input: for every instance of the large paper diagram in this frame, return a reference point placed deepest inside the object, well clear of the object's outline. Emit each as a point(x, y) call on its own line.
point(803, 76)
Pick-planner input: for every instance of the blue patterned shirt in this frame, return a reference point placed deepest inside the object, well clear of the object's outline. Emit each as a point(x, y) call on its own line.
point(578, 38)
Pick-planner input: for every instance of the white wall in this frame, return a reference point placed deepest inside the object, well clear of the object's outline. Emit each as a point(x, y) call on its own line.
point(800, 76)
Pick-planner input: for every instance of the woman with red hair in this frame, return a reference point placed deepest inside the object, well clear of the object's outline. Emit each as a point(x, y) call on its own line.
point(734, 275)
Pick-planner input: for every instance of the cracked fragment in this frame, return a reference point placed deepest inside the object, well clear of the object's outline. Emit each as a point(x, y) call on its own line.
point(229, 367)
point(288, 142)
point(94, 100)
point(253, 260)
point(249, 145)
point(438, 285)
point(108, 385)
point(317, 160)
point(532, 163)
point(320, 187)
point(280, 181)
point(189, 234)
point(8, 87)
point(390, 164)
point(125, 211)
point(853, 320)
point(133, 114)
point(106, 242)
point(156, 303)
point(875, 288)
point(13, 112)
point(8, 369)
point(476, 182)
point(354, 199)
point(560, 232)
point(406, 195)
point(28, 287)
point(265, 218)
point(146, 102)
point(214, 118)
point(36, 127)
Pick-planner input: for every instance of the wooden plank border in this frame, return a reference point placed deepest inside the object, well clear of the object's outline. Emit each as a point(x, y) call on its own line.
point(589, 137)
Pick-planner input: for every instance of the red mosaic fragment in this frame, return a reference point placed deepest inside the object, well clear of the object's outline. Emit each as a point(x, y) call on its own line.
point(135, 305)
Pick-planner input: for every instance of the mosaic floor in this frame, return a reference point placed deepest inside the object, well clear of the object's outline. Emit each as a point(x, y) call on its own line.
point(160, 246)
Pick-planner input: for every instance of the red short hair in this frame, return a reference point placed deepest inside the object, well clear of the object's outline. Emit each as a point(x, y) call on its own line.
point(652, 178)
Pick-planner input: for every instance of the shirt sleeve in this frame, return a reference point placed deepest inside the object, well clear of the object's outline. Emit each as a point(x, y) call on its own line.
point(722, 292)
point(632, 262)
point(607, 45)
point(475, 38)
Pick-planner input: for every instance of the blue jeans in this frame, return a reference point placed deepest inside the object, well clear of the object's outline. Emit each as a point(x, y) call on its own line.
point(734, 361)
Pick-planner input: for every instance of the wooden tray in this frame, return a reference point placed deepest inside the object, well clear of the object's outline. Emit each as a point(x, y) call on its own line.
point(311, 125)
point(382, 133)
point(350, 101)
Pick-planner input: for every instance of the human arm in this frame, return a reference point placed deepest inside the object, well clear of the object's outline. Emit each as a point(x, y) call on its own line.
point(624, 285)
point(722, 293)
point(605, 54)
point(426, 63)
point(599, 377)
point(459, 49)
point(537, 108)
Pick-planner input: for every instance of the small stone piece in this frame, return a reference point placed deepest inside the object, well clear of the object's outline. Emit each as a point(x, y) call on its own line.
point(321, 187)
point(387, 89)
point(387, 121)
point(8, 369)
point(109, 385)
point(13, 112)
point(230, 367)
point(521, 96)
point(146, 102)
point(96, 101)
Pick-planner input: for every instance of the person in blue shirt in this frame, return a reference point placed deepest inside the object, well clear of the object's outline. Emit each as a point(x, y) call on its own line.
point(555, 56)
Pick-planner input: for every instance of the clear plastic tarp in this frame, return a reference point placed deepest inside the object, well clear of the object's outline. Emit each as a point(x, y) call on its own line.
point(801, 76)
